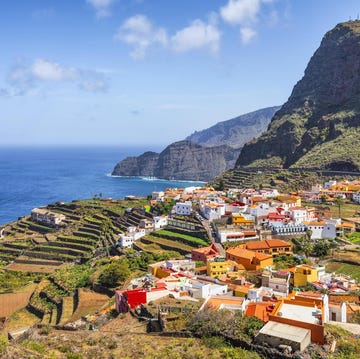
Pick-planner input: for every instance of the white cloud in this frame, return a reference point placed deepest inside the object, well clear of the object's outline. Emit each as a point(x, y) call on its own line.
point(138, 32)
point(245, 13)
point(52, 71)
point(102, 7)
point(240, 11)
point(197, 35)
point(23, 77)
point(247, 34)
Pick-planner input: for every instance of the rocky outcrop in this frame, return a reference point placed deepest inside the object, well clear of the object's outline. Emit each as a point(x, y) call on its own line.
point(318, 127)
point(203, 155)
point(237, 131)
point(142, 165)
point(183, 160)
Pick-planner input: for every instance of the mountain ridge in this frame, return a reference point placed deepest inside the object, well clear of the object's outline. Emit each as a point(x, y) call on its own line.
point(318, 126)
point(188, 160)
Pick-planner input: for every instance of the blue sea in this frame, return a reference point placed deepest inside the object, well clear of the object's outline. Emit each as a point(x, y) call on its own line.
point(32, 177)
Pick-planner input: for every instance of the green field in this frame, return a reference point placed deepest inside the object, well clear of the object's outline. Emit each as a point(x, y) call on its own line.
point(344, 268)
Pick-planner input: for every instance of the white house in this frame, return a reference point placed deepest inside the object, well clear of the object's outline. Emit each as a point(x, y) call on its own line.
point(356, 197)
point(231, 234)
point(298, 214)
point(322, 230)
point(204, 290)
point(183, 208)
point(133, 234)
point(158, 196)
point(160, 221)
point(212, 210)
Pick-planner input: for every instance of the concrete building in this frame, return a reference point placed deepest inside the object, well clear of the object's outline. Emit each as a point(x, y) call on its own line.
point(133, 234)
point(183, 208)
point(44, 216)
point(205, 254)
point(278, 281)
point(199, 289)
point(233, 233)
point(270, 246)
point(304, 274)
point(212, 210)
point(216, 267)
point(279, 335)
point(321, 229)
point(249, 259)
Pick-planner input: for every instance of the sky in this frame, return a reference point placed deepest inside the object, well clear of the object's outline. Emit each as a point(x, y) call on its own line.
point(149, 72)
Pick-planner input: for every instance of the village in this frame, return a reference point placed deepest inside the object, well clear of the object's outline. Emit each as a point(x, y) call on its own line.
point(284, 262)
point(251, 265)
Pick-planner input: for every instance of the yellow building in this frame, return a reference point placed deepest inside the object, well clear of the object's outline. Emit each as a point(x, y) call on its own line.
point(216, 267)
point(240, 220)
point(304, 274)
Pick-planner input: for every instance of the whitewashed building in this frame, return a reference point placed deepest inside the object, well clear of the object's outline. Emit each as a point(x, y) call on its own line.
point(183, 208)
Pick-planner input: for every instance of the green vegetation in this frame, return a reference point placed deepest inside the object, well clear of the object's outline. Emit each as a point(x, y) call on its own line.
point(11, 281)
point(186, 237)
point(283, 261)
point(75, 276)
point(225, 323)
point(353, 237)
point(114, 273)
point(347, 346)
point(3, 344)
point(344, 268)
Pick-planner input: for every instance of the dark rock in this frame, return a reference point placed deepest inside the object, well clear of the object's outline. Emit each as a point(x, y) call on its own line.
point(318, 127)
point(183, 160)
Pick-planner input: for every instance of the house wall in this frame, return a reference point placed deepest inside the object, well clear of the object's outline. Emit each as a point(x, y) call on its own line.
point(304, 275)
point(276, 341)
point(317, 331)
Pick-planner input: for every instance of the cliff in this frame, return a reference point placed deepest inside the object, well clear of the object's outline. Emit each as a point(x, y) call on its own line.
point(203, 155)
point(237, 131)
point(183, 160)
point(318, 127)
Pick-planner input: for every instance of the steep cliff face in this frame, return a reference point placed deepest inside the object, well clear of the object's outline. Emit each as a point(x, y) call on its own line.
point(142, 165)
point(319, 124)
point(181, 160)
point(237, 131)
point(190, 161)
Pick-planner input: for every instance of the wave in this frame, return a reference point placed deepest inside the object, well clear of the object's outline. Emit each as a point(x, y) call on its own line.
point(152, 178)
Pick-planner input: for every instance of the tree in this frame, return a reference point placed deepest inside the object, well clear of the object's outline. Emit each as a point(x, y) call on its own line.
point(339, 201)
point(114, 274)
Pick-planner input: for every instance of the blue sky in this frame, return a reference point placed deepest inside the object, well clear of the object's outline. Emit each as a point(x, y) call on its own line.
point(135, 72)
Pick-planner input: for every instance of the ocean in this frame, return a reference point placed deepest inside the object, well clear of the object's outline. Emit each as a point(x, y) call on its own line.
point(36, 176)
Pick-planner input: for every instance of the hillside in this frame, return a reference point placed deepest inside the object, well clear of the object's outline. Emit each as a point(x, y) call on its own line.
point(237, 131)
point(318, 127)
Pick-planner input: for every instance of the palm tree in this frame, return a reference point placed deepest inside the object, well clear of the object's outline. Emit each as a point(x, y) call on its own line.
point(339, 201)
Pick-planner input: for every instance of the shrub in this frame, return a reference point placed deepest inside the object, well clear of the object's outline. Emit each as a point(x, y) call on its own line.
point(3, 344)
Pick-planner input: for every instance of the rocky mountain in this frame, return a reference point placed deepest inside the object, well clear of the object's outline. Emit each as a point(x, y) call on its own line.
point(203, 155)
point(181, 160)
point(237, 131)
point(319, 125)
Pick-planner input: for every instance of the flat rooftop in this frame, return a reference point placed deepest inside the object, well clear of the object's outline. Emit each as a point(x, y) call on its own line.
point(285, 331)
point(298, 312)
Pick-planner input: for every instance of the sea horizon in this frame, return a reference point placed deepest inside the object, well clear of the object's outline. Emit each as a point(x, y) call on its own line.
point(35, 176)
